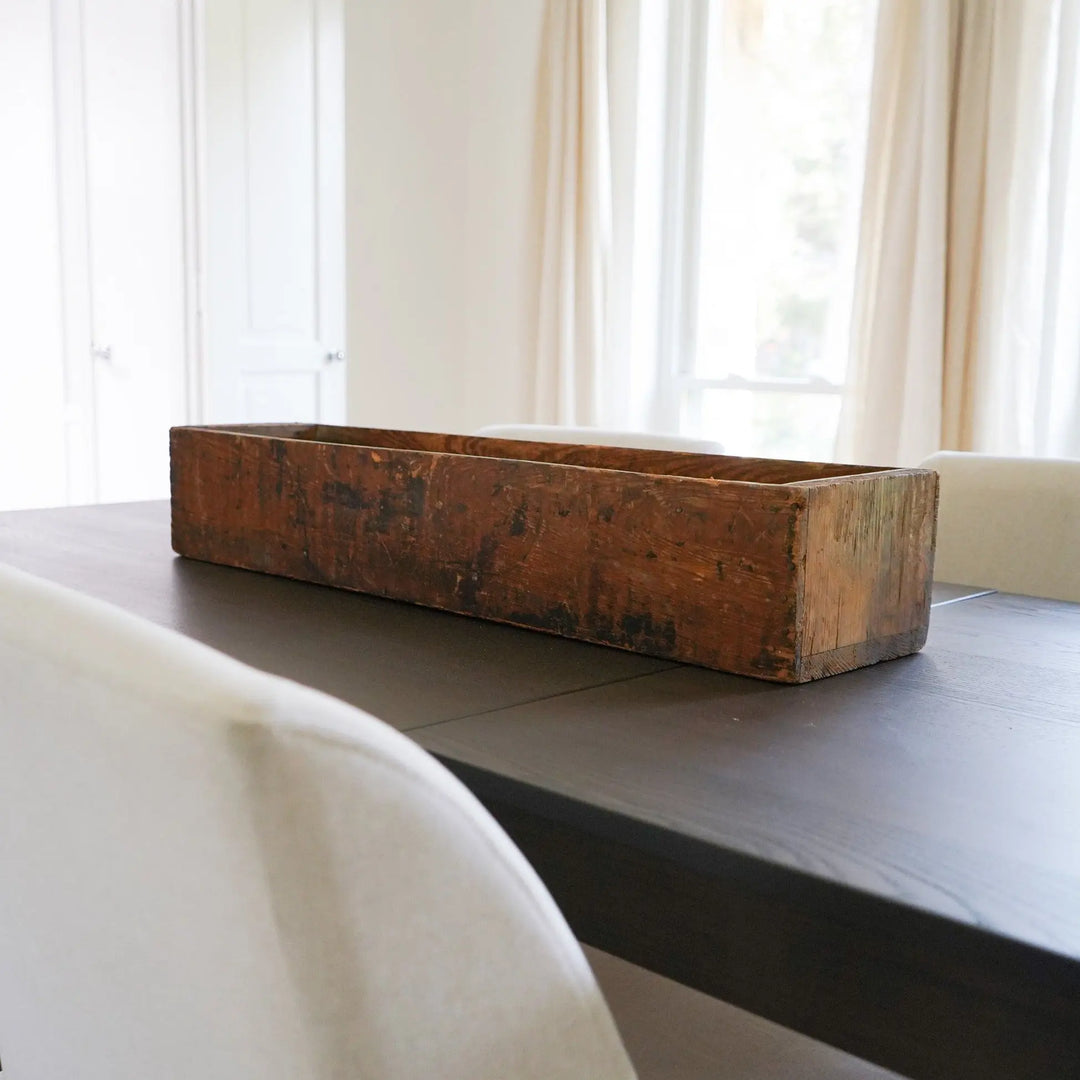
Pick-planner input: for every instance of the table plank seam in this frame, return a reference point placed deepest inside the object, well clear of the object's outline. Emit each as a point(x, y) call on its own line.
point(543, 697)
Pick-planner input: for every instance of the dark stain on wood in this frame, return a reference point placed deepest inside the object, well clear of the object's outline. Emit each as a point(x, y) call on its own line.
point(339, 494)
point(644, 634)
point(519, 518)
point(793, 571)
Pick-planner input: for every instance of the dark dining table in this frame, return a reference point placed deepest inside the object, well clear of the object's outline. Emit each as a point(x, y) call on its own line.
point(887, 860)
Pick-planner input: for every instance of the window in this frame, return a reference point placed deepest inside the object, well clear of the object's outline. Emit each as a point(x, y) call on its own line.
point(762, 178)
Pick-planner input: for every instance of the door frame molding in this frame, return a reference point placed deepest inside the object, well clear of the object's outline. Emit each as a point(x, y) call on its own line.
point(191, 39)
point(73, 253)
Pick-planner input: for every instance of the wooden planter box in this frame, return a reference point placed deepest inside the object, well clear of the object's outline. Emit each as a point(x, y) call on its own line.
point(783, 570)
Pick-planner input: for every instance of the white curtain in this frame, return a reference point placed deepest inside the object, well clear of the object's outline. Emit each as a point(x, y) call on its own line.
point(575, 207)
point(966, 326)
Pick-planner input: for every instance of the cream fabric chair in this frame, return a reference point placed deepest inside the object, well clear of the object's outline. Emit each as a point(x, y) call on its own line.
point(1009, 523)
point(593, 436)
point(212, 873)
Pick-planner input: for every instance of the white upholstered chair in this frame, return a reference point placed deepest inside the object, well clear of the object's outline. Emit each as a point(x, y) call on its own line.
point(1009, 523)
point(593, 436)
point(212, 873)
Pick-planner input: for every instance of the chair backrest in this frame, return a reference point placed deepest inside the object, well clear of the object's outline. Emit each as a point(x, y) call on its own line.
point(1009, 523)
point(593, 436)
point(211, 872)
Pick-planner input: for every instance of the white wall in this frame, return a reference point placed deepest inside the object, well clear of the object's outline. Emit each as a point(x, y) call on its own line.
point(502, 238)
point(440, 130)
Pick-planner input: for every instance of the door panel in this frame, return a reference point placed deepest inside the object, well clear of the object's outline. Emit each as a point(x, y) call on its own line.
point(32, 436)
point(275, 210)
point(281, 200)
point(264, 392)
point(134, 171)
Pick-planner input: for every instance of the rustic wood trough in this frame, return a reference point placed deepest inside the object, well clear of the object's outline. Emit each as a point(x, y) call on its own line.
point(782, 570)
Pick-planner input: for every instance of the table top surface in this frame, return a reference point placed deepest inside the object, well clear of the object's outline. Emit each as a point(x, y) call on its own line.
point(950, 780)
point(947, 782)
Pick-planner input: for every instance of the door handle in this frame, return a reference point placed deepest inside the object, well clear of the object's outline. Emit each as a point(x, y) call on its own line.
point(335, 357)
point(103, 354)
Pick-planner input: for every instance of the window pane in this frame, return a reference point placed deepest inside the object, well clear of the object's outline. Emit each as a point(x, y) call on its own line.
point(783, 425)
point(785, 109)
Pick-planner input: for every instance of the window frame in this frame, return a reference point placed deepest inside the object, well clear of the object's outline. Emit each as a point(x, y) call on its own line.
point(680, 390)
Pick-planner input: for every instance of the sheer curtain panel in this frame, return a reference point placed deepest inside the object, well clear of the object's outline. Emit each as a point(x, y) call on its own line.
point(965, 331)
point(575, 205)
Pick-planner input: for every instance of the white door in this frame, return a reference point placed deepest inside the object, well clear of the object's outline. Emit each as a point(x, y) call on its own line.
point(32, 433)
point(92, 300)
point(134, 177)
point(275, 262)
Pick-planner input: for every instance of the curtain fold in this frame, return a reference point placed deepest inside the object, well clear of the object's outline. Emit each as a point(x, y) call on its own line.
point(892, 411)
point(573, 164)
point(966, 333)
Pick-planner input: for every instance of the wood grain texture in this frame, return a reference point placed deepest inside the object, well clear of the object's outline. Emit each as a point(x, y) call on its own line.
point(620, 547)
point(868, 569)
point(888, 862)
point(626, 459)
point(891, 984)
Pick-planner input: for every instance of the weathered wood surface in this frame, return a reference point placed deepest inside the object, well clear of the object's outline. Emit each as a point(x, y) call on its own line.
point(689, 557)
point(868, 569)
point(628, 459)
